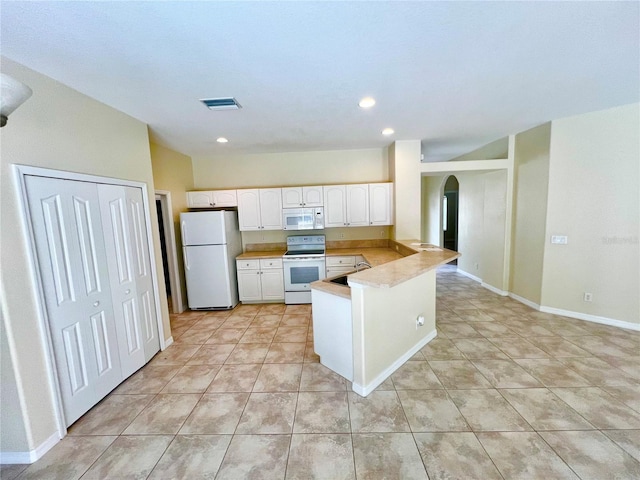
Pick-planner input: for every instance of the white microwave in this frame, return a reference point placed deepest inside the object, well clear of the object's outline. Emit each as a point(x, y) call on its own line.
point(303, 218)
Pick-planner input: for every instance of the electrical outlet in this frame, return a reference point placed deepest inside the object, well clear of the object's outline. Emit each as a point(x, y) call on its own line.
point(342, 235)
point(381, 233)
point(588, 297)
point(559, 239)
point(475, 265)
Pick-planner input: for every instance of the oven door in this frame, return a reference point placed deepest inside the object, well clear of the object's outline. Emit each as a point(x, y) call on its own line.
point(299, 273)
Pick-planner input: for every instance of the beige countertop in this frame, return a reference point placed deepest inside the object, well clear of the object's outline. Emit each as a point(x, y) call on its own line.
point(401, 261)
point(390, 267)
point(261, 254)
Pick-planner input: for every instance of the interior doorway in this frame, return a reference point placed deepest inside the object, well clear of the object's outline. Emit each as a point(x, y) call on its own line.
point(169, 252)
point(450, 214)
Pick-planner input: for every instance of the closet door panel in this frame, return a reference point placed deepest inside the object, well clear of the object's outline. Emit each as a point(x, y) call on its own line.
point(65, 218)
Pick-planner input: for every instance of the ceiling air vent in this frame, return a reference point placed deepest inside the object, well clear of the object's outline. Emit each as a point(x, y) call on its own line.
point(225, 103)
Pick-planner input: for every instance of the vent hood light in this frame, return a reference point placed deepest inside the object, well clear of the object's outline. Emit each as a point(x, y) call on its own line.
point(224, 103)
point(222, 140)
point(367, 102)
point(388, 131)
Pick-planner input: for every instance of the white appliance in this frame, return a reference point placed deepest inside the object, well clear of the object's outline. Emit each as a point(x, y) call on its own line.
point(307, 218)
point(304, 263)
point(210, 243)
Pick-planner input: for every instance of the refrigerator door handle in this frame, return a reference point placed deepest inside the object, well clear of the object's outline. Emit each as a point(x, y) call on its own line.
point(184, 241)
point(186, 259)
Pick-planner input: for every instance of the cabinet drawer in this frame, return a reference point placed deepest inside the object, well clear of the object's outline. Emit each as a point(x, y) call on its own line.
point(266, 263)
point(342, 261)
point(248, 264)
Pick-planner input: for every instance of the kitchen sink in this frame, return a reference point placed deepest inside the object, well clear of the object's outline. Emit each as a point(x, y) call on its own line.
point(340, 280)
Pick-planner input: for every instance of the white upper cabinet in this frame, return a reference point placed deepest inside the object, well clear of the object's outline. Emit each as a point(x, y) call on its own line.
point(335, 206)
point(271, 208)
point(260, 209)
point(346, 205)
point(294, 197)
point(381, 204)
point(357, 205)
point(212, 198)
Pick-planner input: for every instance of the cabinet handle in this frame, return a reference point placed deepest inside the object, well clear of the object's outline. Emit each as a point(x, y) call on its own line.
point(96, 303)
point(127, 291)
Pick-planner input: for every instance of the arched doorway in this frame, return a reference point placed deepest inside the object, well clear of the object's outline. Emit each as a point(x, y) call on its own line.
point(450, 214)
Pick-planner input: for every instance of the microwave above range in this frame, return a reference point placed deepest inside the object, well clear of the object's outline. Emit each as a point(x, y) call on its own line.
point(310, 218)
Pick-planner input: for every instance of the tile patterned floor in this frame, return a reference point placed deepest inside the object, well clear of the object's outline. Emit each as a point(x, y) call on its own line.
point(503, 392)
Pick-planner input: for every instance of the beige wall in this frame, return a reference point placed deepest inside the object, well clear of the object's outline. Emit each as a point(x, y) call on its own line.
point(481, 225)
point(172, 171)
point(491, 151)
point(15, 437)
point(291, 169)
point(594, 179)
point(404, 172)
point(431, 208)
point(531, 172)
point(384, 325)
point(56, 128)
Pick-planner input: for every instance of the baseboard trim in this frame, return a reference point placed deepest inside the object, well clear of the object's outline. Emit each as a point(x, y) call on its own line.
point(502, 293)
point(556, 311)
point(592, 318)
point(12, 458)
point(364, 390)
point(168, 342)
point(523, 300)
point(467, 274)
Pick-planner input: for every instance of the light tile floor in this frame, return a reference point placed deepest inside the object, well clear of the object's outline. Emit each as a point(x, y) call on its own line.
point(502, 392)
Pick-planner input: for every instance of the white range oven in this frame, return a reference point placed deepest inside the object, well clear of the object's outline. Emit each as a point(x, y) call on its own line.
point(303, 263)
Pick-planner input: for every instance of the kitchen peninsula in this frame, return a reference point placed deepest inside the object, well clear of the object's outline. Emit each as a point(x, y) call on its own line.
point(368, 329)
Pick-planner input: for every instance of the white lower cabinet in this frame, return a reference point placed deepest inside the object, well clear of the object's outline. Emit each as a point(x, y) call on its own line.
point(260, 280)
point(342, 264)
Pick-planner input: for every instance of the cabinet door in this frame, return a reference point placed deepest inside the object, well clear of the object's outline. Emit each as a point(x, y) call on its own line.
point(199, 199)
point(341, 261)
point(225, 198)
point(249, 286)
point(312, 196)
point(335, 203)
point(357, 205)
point(271, 208)
point(272, 284)
point(249, 209)
point(380, 204)
point(292, 197)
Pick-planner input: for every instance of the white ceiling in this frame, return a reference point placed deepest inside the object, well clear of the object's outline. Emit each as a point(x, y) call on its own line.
point(455, 75)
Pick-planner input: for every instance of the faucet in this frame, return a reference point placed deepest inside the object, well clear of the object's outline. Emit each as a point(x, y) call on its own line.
point(362, 264)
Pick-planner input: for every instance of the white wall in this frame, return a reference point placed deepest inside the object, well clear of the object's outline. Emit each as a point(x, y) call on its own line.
point(594, 199)
point(56, 128)
point(531, 169)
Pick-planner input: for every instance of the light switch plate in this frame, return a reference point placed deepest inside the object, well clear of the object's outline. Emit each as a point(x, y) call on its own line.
point(559, 239)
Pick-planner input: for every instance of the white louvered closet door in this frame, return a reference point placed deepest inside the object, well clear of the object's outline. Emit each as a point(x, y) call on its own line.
point(66, 220)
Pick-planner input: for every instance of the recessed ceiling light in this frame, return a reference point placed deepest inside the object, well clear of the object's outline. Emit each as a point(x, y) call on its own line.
point(367, 102)
point(222, 140)
point(388, 131)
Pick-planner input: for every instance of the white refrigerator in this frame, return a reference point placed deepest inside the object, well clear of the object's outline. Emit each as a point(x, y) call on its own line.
point(210, 244)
